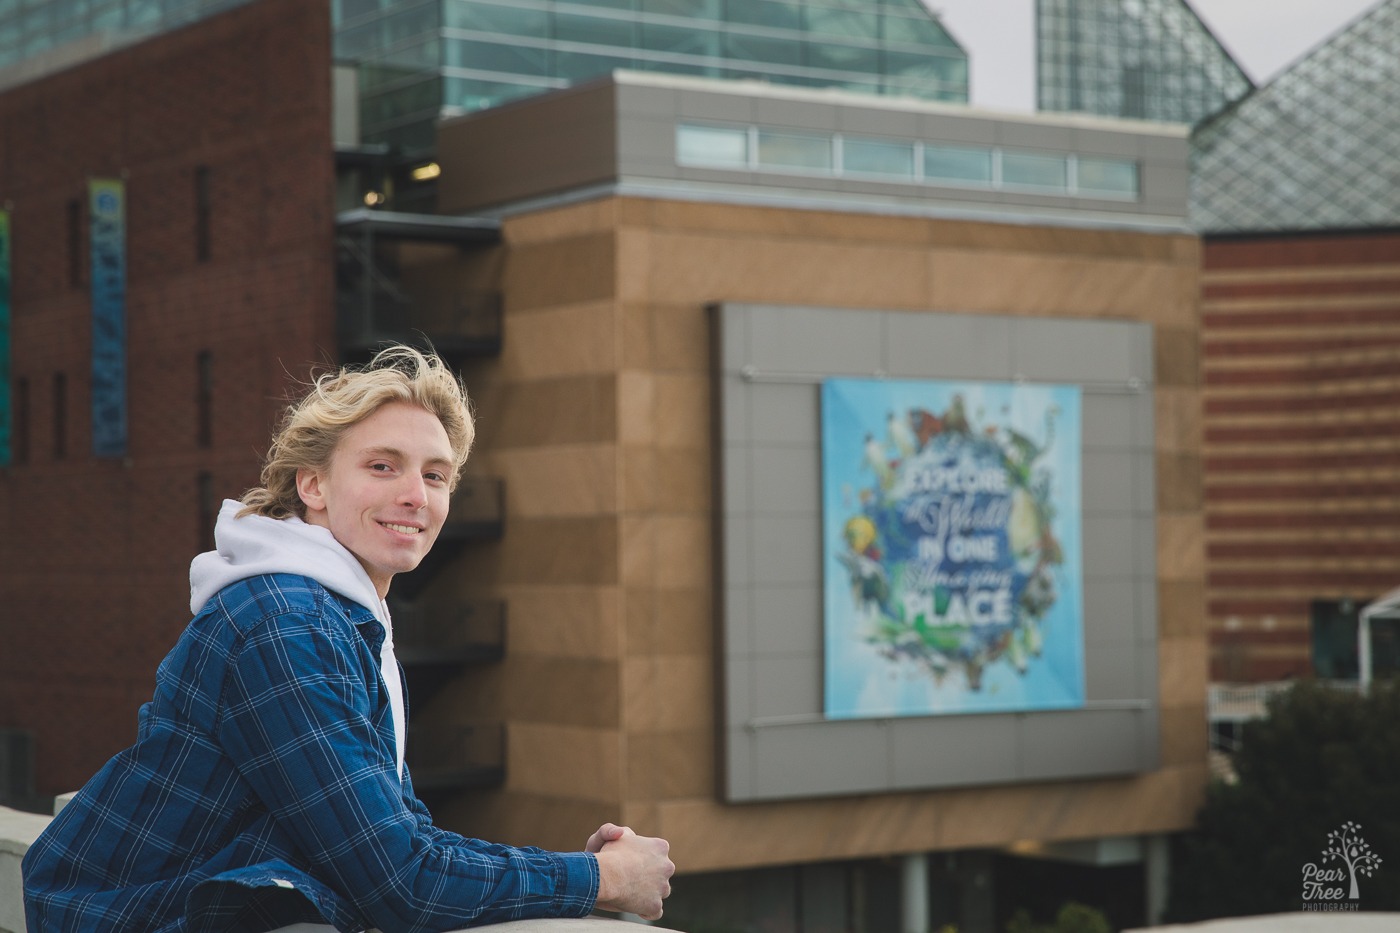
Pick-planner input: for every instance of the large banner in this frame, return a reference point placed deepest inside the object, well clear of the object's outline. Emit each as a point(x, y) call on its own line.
point(107, 233)
point(6, 405)
point(951, 547)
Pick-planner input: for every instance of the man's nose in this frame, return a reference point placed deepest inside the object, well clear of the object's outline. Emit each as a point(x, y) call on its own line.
point(413, 491)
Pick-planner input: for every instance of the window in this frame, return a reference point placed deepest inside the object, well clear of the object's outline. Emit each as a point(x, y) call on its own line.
point(725, 147)
point(201, 213)
point(19, 449)
point(958, 163)
point(75, 243)
point(1034, 171)
point(204, 399)
point(60, 416)
point(878, 157)
point(793, 150)
point(1108, 176)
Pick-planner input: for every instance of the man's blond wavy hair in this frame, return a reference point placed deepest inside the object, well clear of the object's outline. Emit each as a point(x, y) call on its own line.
point(337, 401)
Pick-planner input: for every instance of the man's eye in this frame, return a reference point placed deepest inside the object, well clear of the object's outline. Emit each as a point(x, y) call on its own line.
point(435, 477)
point(380, 467)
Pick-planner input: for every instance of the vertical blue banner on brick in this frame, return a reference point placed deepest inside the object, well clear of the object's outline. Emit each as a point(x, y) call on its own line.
point(7, 418)
point(107, 213)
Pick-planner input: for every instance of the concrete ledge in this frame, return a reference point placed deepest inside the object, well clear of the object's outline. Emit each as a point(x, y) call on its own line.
point(18, 830)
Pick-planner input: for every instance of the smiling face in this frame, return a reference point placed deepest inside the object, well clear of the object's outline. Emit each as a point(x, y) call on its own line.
point(384, 495)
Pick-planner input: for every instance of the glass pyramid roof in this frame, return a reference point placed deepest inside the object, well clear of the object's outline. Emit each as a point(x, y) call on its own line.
point(1318, 148)
point(1143, 59)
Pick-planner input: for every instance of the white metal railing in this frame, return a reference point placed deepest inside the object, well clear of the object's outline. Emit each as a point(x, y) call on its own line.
point(1243, 702)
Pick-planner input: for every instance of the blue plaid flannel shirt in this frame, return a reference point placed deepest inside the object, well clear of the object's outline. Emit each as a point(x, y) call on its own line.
point(263, 790)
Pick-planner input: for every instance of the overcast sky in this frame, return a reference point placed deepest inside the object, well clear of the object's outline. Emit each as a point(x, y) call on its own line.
point(1263, 36)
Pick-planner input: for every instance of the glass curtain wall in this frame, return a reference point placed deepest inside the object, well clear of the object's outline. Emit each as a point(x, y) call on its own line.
point(467, 55)
point(1143, 59)
point(33, 27)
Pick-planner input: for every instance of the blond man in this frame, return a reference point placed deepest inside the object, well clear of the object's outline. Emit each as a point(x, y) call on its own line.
point(267, 787)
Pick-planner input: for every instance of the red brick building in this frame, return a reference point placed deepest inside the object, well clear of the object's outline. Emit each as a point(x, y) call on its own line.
point(229, 211)
point(1302, 442)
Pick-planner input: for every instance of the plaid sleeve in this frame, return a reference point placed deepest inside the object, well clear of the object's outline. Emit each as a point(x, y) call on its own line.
point(298, 722)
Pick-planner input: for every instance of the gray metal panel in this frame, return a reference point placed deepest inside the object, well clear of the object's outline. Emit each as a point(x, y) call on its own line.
point(634, 100)
point(946, 128)
point(1108, 480)
point(947, 346)
point(1111, 669)
point(795, 114)
point(891, 124)
point(646, 147)
point(814, 340)
point(787, 620)
point(1057, 744)
point(1110, 610)
point(787, 549)
point(1035, 136)
point(1106, 143)
point(734, 408)
point(952, 750)
point(1106, 420)
point(1145, 481)
point(785, 479)
point(737, 474)
point(738, 764)
point(820, 758)
point(705, 105)
point(1108, 544)
point(738, 691)
point(1146, 594)
point(1165, 187)
point(739, 615)
point(1076, 351)
point(773, 613)
point(786, 413)
point(787, 685)
point(737, 547)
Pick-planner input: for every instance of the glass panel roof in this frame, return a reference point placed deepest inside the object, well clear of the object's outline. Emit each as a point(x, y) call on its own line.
point(1316, 148)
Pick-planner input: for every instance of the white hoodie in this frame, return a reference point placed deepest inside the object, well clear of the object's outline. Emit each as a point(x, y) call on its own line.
point(255, 544)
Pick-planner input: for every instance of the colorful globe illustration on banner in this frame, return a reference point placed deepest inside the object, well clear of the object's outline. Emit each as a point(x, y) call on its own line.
point(950, 543)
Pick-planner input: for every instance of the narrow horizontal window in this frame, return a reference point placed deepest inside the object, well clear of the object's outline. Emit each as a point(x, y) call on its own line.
point(794, 150)
point(726, 147)
point(1108, 176)
point(1035, 171)
point(958, 163)
point(878, 157)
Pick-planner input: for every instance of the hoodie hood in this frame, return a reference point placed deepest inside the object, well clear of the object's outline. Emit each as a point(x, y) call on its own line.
point(255, 545)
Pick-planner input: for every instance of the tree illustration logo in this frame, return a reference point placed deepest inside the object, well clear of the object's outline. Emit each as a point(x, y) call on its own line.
point(1323, 886)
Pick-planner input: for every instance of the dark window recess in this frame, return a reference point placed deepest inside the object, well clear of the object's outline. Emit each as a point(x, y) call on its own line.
point(1335, 653)
point(201, 213)
point(204, 399)
point(60, 416)
point(208, 507)
point(75, 243)
point(20, 441)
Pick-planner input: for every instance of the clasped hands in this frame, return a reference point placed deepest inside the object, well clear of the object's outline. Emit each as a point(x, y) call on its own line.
point(634, 871)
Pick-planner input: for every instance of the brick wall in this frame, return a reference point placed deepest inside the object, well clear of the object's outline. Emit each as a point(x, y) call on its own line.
point(1302, 439)
point(94, 554)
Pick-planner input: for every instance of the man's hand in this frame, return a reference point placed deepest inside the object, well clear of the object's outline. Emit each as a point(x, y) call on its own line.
point(635, 872)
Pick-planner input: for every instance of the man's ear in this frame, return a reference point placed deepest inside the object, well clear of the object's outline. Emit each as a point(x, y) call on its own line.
point(309, 489)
